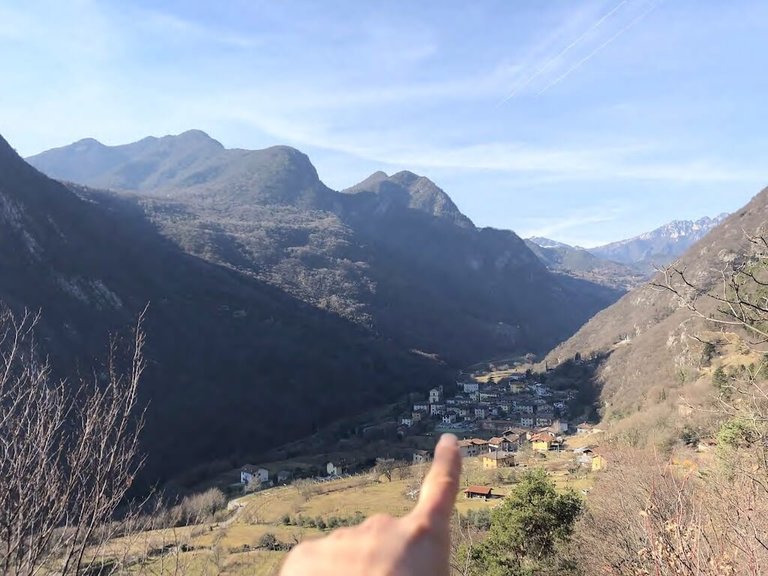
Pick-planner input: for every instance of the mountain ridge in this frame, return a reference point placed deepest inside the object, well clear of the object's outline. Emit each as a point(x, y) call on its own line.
point(581, 263)
point(392, 253)
point(659, 246)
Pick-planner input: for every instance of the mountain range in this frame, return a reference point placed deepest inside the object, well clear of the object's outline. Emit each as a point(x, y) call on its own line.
point(233, 363)
point(627, 263)
point(660, 246)
point(393, 253)
point(276, 305)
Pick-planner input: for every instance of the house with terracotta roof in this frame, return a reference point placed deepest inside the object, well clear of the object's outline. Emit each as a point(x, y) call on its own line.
point(484, 492)
point(499, 443)
point(472, 447)
point(543, 441)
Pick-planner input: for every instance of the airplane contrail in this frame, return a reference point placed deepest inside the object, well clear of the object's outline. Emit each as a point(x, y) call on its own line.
point(594, 52)
point(549, 63)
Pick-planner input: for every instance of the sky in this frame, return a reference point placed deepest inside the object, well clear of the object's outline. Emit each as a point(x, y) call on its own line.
point(583, 121)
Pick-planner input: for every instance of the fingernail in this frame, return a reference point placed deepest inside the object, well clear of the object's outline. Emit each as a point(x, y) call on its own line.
point(448, 438)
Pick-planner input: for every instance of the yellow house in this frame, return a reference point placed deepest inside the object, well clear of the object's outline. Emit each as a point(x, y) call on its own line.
point(542, 442)
point(598, 463)
point(498, 459)
point(516, 386)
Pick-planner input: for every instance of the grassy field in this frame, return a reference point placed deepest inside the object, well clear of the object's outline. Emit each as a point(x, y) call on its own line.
point(232, 547)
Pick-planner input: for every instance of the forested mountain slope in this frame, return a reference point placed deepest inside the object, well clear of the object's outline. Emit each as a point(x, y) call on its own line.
point(393, 254)
point(234, 365)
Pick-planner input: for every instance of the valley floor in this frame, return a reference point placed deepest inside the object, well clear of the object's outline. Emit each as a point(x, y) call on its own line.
point(283, 516)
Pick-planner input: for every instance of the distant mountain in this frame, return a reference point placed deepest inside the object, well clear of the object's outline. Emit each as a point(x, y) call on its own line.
point(660, 246)
point(549, 243)
point(235, 366)
point(581, 263)
point(149, 164)
point(392, 254)
point(190, 164)
point(650, 343)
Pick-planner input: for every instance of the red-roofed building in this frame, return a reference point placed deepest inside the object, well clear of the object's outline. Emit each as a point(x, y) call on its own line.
point(484, 492)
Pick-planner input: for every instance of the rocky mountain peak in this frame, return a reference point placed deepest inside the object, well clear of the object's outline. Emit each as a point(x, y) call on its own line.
point(413, 191)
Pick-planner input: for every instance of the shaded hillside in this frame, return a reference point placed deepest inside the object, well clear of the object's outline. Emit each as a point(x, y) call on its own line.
point(392, 254)
point(651, 338)
point(581, 263)
point(658, 247)
point(235, 365)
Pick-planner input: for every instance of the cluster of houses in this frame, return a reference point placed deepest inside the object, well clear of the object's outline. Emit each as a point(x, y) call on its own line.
point(515, 401)
point(499, 451)
point(517, 410)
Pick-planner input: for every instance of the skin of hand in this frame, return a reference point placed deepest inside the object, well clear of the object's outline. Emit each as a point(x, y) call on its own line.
point(416, 544)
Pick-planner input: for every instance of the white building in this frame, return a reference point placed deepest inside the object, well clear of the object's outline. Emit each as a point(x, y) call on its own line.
point(421, 456)
point(251, 474)
point(435, 395)
point(470, 387)
point(436, 409)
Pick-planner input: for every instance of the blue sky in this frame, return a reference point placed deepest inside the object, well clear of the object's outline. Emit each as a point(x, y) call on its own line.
point(584, 121)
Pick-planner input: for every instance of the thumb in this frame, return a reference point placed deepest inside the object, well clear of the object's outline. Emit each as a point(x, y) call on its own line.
point(438, 492)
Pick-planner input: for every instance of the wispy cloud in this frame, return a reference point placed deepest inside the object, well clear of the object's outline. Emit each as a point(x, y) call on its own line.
point(590, 161)
point(570, 48)
point(553, 61)
point(654, 98)
point(578, 221)
point(600, 47)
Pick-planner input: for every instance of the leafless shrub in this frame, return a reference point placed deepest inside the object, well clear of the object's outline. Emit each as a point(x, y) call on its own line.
point(306, 488)
point(68, 454)
point(651, 516)
point(464, 537)
point(202, 507)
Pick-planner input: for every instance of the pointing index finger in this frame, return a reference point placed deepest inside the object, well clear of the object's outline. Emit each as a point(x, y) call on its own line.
point(438, 492)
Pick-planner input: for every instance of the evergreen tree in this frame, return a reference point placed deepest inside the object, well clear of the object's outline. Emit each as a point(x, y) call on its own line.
point(526, 528)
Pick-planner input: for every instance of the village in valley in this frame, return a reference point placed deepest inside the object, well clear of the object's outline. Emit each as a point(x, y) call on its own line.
point(503, 414)
point(507, 417)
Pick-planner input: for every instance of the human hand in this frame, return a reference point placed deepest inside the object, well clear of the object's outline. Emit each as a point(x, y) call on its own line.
point(416, 545)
